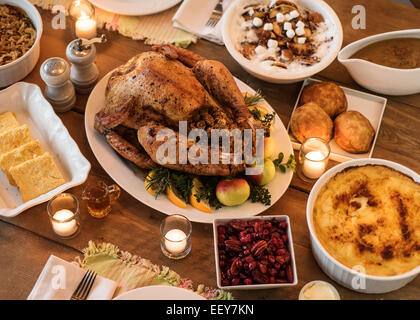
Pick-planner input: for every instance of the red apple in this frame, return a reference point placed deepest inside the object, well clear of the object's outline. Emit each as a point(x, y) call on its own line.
point(267, 174)
point(232, 192)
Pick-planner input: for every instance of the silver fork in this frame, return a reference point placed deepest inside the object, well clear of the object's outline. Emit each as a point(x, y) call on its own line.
point(83, 289)
point(215, 15)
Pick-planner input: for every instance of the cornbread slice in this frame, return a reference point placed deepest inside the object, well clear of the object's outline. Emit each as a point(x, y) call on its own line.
point(7, 122)
point(37, 176)
point(14, 138)
point(19, 155)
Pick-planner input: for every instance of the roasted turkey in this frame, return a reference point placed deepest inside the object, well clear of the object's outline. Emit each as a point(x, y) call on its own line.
point(155, 90)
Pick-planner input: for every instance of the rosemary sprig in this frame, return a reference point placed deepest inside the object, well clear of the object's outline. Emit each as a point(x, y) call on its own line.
point(162, 178)
point(252, 100)
point(208, 192)
point(289, 164)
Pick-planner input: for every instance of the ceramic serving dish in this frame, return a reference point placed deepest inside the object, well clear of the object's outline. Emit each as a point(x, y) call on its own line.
point(369, 105)
point(381, 79)
point(20, 68)
point(217, 222)
point(231, 25)
point(334, 269)
point(30, 107)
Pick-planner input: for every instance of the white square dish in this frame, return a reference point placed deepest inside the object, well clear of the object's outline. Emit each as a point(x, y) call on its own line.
point(30, 107)
point(217, 222)
point(371, 106)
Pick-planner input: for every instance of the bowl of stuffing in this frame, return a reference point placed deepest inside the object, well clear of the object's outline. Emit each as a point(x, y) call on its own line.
point(282, 41)
point(20, 34)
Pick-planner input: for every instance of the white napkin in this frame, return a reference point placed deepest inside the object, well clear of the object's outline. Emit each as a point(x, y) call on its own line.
point(193, 15)
point(60, 278)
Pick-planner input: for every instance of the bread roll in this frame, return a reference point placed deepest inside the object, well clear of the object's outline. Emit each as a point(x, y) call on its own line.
point(310, 121)
point(353, 132)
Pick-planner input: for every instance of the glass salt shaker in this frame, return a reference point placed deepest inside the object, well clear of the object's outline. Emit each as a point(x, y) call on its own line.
point(59, 91)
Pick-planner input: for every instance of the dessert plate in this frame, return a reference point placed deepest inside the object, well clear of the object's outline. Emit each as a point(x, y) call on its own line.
point(131, 179)
point(159, 293)
point(30, 107)
point(135, 7)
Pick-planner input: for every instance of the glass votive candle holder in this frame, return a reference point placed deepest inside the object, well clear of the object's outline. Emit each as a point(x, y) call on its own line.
point(63, 211)
point(313, 158)
point(175, 233)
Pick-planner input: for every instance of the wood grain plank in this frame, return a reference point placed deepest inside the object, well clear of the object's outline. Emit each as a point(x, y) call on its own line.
point(23, 256)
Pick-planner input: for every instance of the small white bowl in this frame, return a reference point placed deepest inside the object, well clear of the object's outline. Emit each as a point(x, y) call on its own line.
point(378, 78)
point(217, 222)
point(231, 27)
point(336, 270)
point(20, 68)
point(316, 282)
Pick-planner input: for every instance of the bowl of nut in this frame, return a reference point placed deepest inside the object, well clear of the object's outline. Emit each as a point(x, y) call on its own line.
point(282, 41)
point(254, 253)
point(20, 35)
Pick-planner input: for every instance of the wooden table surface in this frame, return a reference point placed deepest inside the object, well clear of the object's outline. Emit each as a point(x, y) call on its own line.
point(26, 241)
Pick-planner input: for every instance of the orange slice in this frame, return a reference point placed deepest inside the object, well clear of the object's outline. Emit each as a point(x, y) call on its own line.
point(147, 181)
point(175, 198)
point(203, 205)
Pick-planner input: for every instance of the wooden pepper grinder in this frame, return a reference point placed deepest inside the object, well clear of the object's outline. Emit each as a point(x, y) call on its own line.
point(55, 72)
point(84, 72)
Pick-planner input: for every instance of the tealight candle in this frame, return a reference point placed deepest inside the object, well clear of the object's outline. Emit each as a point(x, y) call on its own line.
point(175, 241)
point(64, 223)
point(313, 166)
point(313, 158)
point(175, 236)
point(85, 27)
point(63, 211)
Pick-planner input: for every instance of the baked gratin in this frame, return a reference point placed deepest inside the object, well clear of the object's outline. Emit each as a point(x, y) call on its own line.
point(17, 33)
point(369, 216)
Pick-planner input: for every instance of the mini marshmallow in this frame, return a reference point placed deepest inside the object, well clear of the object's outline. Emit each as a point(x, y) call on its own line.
point(279, 17)
point(268, 27)
point(259, 50)
point(273, 3)
point(301, 40)
point(251, 12)
point(294, 14)
point(272, 44)
point(257, 22)
point(290, 33)
point(300, 31)
point(300, 24)
point(288, 17)
point(287, 26)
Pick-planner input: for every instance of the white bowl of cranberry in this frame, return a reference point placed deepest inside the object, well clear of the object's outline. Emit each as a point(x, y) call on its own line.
point(254, 253)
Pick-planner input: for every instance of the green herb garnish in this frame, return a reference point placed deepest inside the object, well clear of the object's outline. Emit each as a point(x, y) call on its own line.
point(290, 164)
point(260, 194)
point(252, 100)
point(162, 178)
point(208, 192)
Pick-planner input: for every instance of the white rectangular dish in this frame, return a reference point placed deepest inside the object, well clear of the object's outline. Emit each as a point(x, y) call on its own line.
point(30, 107)
point(217, 222)
point(371, 106)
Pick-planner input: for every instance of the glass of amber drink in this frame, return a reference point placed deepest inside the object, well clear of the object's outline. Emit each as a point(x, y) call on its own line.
point(99, 197)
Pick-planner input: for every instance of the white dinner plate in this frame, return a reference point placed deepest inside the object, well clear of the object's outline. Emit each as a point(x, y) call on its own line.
point(26, 101)
point(159, 293)
point(131, 179)
point(135, 7)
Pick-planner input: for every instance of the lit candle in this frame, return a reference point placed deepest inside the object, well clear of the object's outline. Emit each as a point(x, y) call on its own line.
point(175, 241)
point(314, 165)
point(64, 229)
point(85, 27)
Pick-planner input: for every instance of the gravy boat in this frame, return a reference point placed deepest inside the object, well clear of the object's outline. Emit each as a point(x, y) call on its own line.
point(378, 78)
